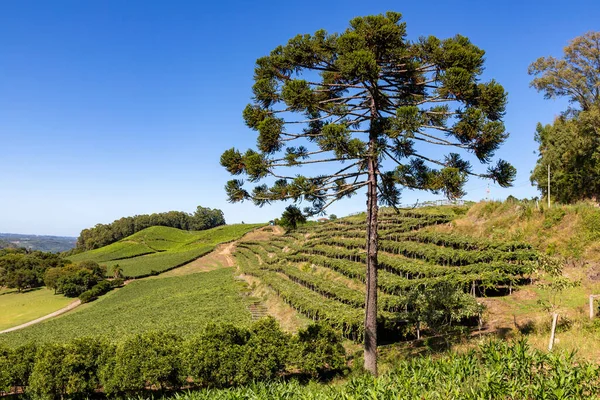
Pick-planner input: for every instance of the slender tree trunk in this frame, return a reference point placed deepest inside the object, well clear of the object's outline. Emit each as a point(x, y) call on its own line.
point(371, 281)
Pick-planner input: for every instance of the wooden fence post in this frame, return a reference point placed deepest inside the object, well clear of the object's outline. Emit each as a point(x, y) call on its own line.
point(592, 312)
point(553, 331)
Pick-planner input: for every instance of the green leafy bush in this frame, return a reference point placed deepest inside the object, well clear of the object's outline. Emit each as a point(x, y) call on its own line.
point(317, 351)
point(219, 356)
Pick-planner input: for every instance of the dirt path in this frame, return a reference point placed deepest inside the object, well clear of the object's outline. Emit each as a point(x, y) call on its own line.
point(45, 317)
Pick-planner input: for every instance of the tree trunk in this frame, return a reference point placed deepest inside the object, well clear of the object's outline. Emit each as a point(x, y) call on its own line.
point(371, 276)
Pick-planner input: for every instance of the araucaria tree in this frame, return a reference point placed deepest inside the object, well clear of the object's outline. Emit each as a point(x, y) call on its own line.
point(365, 106)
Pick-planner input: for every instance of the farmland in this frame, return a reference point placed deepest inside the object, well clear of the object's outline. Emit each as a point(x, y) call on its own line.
point(18, 308)
point(319, 271)
point(158, 249)
point(179, 304)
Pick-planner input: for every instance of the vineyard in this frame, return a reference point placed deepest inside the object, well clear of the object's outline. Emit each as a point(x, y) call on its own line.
point(428, 280)
point(178, 304)
point(158, 248)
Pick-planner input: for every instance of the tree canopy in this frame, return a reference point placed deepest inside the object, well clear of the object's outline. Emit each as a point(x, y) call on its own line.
point(292, 216)
point(576, 75)
point(571, 145)
point(364, 107)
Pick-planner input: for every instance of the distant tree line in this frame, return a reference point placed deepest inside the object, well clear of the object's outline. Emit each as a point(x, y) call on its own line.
point(22, 269)
point(105, 234)
point(219, 356)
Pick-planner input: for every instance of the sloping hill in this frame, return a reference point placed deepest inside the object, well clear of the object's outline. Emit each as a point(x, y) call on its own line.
point(320, 270)
point(178, 304)
point(157, 249)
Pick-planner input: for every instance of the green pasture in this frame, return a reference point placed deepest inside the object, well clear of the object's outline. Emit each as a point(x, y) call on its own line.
point(19, 308)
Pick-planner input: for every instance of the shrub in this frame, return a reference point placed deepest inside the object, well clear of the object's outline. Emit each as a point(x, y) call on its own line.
point(150, 359)
point(6, 377)
point(66, 369)
point(317, 350)
point(553, 217)
point(96, 291)
point(212, 357)
point(266, 352)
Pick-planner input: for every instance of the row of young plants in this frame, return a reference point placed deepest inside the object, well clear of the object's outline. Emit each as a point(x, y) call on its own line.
point(220, 356)
point(387, 228)
point(344, 318)
point(417, 269)
point(430, 252)
point(434, 306)
point(463, 242)
point(331, 288)
point(396, 285)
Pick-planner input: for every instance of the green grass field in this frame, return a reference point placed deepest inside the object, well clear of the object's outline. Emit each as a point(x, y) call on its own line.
point(18, 308)
point(159, 248)
point(179, 304)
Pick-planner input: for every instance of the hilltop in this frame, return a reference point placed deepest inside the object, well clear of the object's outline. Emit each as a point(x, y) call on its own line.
point(158, 249)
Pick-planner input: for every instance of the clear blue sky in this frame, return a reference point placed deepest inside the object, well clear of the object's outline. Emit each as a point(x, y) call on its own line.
point(116, 108)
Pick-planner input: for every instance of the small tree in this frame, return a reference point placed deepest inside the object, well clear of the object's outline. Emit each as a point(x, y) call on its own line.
point(292, 217)
point(117, 271)
point(556, 284)
point(368, 103)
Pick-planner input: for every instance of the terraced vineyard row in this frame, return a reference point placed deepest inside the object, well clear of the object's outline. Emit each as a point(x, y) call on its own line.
point(425, 278)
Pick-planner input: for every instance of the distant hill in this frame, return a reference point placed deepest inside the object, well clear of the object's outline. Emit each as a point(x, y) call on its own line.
point(160, 248)
point(54, 244)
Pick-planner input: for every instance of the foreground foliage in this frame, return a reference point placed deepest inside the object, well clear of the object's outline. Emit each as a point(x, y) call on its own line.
point(497, 370)
point(219, 356)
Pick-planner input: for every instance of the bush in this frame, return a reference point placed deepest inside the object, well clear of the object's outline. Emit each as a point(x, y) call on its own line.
point(220, 356)
point(66, 369)
point(96, 291)
point(317, 351)
point(213, 357)
point(265, 353)
point(6, 377)
point(150, 359)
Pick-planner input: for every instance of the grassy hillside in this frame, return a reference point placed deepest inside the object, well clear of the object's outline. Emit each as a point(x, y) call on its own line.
point(18, 308)
point(319, 269)
point(179, 304)
point(157, 249)
point(571, 231)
